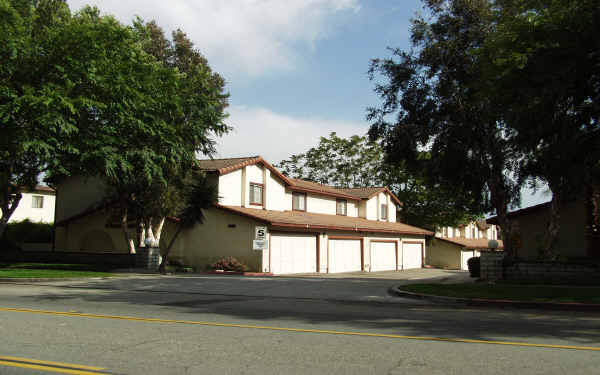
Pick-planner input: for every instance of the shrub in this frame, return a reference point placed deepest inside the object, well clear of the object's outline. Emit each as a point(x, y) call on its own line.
point(474, 266)
point(27, 231)
point(229, 264)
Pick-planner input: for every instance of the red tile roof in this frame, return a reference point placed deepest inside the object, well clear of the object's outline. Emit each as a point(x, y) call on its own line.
point(471, 243)
point(224, 166)
point(314, 187)
point(306, 220)
point(370, 192)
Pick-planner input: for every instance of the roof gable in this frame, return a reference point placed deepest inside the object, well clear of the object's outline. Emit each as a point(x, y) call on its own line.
point(225, 166)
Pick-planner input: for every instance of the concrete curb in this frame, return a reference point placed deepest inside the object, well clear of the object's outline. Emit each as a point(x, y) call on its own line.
point(571, 306)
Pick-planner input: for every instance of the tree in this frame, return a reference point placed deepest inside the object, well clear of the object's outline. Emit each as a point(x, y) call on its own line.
point(145, 117)
point(203, 102)
point(544, 65)
point(434, 120)
point(35, 105)
point(358, 162)
point(198, 195)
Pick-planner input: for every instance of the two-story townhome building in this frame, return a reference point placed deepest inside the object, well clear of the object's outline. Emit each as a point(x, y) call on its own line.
point(452, 247)
point(311, 227)
point(36, 205)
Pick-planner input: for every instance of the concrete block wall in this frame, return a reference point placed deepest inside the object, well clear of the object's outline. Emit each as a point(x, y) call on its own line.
point(553, 271)
point(492, 265)
point(147, 258)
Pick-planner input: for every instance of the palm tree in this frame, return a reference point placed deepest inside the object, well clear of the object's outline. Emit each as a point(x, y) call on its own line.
point(201, 195)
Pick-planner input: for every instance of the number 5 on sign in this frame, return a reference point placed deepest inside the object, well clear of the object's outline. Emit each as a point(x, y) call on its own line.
point(261, 233)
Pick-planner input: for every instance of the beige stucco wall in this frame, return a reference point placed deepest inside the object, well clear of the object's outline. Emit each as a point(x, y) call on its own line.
point(443, 254)
point(206, 243)
point(320, 204)
point(276, 196)
point(77, 194)
point(571, 238)
point(90, 234)
point(352, 208)
point(373, 204)
point(230, 188)
point(25, 210)
point(371, 209)
point(362, 209)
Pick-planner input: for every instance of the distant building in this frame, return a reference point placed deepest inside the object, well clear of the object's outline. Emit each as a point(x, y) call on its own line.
point(452, 247)
point(37, 205)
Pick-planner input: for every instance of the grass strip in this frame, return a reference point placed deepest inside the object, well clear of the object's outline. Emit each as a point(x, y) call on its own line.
point(51, 270)
point(530, 293)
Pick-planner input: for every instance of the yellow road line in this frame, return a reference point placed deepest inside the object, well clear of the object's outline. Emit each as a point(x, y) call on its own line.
point(51, 363)
point(47, 368)
point(303, 330)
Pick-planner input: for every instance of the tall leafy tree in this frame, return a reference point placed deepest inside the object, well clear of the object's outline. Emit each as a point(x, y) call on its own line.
point(544, 66)
point(358, 162)
point(433, 120)
point(36, 104)
point(203, 102)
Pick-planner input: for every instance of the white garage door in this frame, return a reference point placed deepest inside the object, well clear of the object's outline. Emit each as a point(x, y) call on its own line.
point(465, 256)
point(344, 255)
point(383, 256)
point(293, 253)
point(412, 255)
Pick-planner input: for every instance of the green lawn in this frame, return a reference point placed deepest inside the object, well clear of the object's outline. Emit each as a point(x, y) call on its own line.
point(46, 270)
point(532, 293)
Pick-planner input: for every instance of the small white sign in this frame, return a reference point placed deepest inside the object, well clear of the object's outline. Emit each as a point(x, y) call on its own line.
point(261, 233)
point(260, 244)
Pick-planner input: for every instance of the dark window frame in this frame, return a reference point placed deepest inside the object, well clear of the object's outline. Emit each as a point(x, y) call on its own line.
point(37, 198)
point(337, 202)
point(295, 193)
point(251, 196)
point(381, 211)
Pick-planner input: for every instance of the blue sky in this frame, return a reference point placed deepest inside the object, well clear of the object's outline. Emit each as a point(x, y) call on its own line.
point(296, 69)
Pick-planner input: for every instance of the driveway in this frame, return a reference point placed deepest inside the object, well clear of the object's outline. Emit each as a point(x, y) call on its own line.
point(356, 287)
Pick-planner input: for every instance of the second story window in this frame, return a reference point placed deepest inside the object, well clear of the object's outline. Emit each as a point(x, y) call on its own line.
point(256, 194)
point(37, 201)
point(384, 212)
point(299, 201)
point(341, 207)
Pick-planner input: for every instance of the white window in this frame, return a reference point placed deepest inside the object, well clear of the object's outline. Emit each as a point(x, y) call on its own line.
point(384, 211)
point(341, 207)
point(299, 201)
point(37, 201)
point(256, 194)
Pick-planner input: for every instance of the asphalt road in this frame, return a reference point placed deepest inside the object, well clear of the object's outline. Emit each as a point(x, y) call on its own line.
point(238, 325)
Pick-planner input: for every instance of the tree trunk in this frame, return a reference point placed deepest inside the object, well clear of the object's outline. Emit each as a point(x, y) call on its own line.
point(163, 263)
point(142, 234)
point(9, 205)
point(553, 228)
point(158, 230)
point(498, 197)
point(130, 243)
point(3, 226)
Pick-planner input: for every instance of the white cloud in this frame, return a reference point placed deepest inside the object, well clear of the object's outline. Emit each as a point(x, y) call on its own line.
point(260, 131)
point(239, 37)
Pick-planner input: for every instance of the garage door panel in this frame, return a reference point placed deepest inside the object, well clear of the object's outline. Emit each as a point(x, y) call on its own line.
point(293, 254)
point(412, 255)
point(383, 256)
point(465, 256)
point(345, 255)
